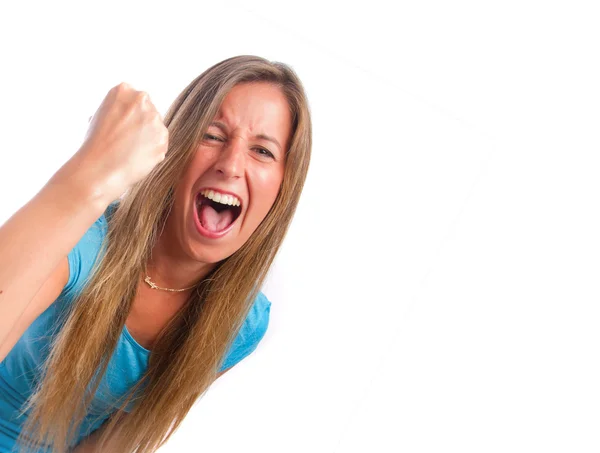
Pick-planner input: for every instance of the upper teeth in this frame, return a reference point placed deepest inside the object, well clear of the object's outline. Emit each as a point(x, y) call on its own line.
point(221, 197)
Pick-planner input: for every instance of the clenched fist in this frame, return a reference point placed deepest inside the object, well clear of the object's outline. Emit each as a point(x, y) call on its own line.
point(126, 139)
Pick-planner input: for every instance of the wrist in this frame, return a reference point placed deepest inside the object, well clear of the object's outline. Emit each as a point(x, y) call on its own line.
point(77, 185)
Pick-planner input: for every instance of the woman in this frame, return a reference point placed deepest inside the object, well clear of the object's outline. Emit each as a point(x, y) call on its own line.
point(144, 301)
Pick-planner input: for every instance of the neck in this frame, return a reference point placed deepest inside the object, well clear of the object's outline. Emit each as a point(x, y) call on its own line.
point(172, 271)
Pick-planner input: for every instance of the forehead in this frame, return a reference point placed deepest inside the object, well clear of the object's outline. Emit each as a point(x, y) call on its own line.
point(256, 105)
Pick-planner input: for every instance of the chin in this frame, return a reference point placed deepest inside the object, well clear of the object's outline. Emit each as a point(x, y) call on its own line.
point(210, 254)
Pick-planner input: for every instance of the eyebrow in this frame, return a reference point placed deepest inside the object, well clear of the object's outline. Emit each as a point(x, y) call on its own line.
point(259, 136)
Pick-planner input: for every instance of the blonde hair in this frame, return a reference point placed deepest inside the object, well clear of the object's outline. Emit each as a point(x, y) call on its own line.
point(191, 348)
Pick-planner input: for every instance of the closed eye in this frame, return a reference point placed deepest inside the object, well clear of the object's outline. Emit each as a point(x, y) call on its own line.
point(212, 137)
point(262, 152)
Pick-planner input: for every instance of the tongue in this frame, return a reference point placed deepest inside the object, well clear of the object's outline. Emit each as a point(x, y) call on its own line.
point(213, 220)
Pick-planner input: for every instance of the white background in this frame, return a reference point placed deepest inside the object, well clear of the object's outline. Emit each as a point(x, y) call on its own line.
point(438, 290)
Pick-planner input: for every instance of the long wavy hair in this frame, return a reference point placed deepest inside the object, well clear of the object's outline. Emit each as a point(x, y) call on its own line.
point(191, 348)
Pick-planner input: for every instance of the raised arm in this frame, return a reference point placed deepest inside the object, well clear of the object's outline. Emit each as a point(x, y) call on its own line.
point(35, 240)
point(127, 138)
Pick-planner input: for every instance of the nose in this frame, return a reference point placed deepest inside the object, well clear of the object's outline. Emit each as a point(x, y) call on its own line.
point(231, 160)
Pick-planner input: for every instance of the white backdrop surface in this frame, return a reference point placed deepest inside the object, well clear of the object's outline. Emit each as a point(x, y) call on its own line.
point(438, 290)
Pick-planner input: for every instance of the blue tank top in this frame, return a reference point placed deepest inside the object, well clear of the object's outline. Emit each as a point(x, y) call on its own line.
point(18, 371)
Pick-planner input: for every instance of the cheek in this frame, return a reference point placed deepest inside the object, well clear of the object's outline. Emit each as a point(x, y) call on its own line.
point(199, 164)
point(203, 158)
point(267, 183)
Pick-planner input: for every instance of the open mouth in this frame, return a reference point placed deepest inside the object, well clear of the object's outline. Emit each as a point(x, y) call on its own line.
point(216, 212)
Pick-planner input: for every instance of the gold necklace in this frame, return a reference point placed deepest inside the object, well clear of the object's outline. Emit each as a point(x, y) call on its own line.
point(155, 286)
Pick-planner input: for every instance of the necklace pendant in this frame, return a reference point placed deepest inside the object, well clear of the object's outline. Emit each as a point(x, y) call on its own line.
point(155, 286)
point(150, 283)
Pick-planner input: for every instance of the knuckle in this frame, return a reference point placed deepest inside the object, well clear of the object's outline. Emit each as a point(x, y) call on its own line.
point(164, 137)
point(141, 97)
point(122, 87)
point(121, 92)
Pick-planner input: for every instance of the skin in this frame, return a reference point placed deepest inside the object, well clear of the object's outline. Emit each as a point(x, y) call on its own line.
point(230, 157)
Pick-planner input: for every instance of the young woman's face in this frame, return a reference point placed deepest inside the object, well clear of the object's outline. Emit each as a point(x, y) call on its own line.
point(235, 175)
